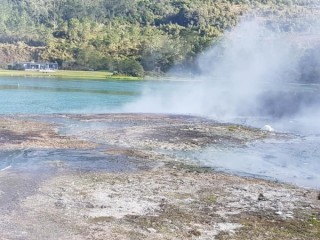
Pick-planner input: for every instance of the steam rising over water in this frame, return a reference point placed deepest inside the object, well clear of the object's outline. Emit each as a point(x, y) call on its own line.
point(254, 76)
point(252, 72)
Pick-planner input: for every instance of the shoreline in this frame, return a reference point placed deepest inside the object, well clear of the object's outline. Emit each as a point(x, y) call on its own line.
point(66, 74)
point(162, 197)
point(92, 75)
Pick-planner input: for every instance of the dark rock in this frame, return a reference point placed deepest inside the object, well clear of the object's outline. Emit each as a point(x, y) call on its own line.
point(59, 204)
point(89, 205)
point(194, 232)
point(261, 197)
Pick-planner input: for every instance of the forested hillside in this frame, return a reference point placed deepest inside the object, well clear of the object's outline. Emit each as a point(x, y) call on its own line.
point(126, 36)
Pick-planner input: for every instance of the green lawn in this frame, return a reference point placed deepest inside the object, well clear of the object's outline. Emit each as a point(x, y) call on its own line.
point(95, 75)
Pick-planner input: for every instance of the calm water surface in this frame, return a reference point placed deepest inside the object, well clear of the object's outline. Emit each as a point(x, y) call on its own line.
point(45, 96)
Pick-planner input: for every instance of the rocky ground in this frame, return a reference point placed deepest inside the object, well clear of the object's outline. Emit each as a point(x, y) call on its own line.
point(158, 196)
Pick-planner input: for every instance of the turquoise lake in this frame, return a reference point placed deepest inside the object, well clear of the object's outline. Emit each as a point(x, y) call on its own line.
point(47, 96)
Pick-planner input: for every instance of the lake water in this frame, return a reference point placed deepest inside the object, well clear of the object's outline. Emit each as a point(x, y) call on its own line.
point(295, 161)
point(46, 96)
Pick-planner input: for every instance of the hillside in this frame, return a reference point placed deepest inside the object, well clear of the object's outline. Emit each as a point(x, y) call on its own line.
point(126, 36)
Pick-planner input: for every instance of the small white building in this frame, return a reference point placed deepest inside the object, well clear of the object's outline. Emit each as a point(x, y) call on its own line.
point(35, 66)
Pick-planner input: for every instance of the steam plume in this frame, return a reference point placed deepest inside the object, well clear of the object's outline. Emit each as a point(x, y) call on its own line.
point(254, 71)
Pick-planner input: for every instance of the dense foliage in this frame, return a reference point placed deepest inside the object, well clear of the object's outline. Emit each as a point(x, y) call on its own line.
point(125, 36)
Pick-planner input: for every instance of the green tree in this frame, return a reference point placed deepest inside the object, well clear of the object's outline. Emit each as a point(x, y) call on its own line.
point(130, 67)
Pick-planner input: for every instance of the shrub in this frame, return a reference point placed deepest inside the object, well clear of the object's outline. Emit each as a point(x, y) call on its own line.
point(131, 67)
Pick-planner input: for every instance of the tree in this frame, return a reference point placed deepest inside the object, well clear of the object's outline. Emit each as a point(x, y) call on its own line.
point(130, 67)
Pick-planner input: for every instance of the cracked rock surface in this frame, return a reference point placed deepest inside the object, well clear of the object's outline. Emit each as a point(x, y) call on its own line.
point(116, 176)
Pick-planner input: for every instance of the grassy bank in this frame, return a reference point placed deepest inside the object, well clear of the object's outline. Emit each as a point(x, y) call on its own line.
point(66, 74)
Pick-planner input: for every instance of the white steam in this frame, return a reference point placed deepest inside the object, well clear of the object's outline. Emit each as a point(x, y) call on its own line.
point(252, 72)
point(262, 78)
